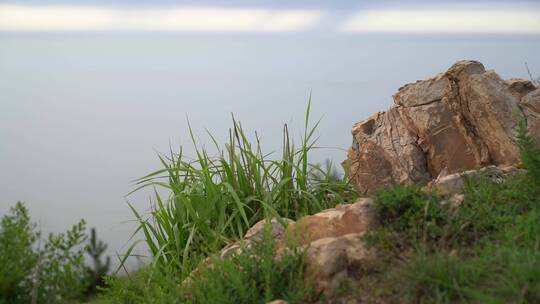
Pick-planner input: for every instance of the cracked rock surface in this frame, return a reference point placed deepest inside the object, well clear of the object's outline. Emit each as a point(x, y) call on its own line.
point(462, 119)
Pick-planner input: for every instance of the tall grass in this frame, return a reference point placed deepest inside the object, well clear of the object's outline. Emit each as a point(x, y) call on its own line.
point(214, 199)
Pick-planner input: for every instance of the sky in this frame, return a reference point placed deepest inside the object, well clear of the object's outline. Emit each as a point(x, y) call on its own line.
point(520, 17)
point(90, 91)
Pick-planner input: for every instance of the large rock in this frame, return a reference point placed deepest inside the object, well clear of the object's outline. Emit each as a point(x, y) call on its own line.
point(335, 222)
point(332, 239)
point(459, 120)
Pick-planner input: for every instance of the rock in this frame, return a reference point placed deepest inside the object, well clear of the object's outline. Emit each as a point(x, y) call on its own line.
point(530, 105)
point(335, 222)
point(454, 201)
point(492, 109)
point(331, 261)
point(332, 239)
point(423, 91)
point(233, 248)
point(256, 234)
point(520, 87)
point(278, 302)
point(459, 120)
point(373, 160)
point(451, 186)
point(335, 252)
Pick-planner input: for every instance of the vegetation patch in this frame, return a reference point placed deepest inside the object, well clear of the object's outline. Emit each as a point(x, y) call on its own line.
point(487, 250)
point(36, 270)
point(213, 200)
point(253, 275)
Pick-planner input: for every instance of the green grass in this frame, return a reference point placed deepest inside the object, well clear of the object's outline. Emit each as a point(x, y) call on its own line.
point(251, 276)
point(214, 199)
point(146, 285)
point(485, 251)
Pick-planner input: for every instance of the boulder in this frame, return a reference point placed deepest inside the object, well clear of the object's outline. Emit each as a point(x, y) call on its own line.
point(462, 119)
point(358, 217)
point(332, 261)
point(332, 239)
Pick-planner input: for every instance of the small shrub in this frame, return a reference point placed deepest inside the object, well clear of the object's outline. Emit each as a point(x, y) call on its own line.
point(17, 255)
point(52, 272)
point(60, 274)
point(99, 269)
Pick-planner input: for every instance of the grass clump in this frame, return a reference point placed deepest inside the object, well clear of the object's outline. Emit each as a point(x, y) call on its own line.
point(530, 156)
point(146, 285)
point(411, 211)
point(215, 199)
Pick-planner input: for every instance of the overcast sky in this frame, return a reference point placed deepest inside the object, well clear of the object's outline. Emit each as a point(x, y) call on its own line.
point(273, 16)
